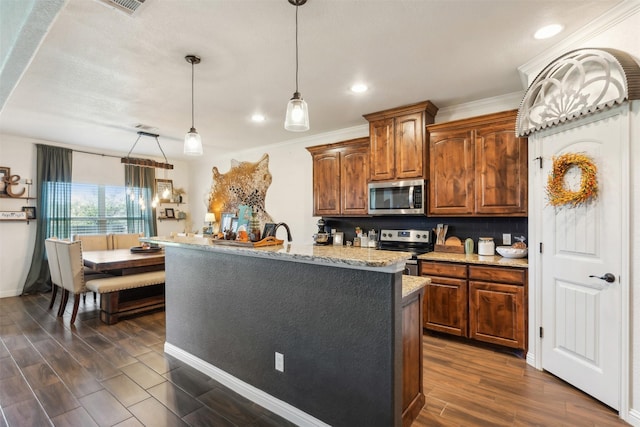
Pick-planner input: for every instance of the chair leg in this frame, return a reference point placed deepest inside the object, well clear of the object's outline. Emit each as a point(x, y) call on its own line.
point(84, 298)
point(63, 302)
point(95, 297)
point(54, 293)
point(76, 303)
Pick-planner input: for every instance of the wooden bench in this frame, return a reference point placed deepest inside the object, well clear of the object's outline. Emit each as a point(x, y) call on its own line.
point(123, 296)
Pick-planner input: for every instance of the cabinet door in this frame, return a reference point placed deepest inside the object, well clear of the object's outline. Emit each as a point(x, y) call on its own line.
point(381, 150)
point(497, 314)
point(326, 183)
point(501, 171)
point(412, 395)
point(354, 165)
point(409, 146)
point(445, 305)
point(451, 173)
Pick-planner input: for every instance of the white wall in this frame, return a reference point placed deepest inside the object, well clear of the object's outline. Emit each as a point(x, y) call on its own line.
point(17, 238)
point(289, 198)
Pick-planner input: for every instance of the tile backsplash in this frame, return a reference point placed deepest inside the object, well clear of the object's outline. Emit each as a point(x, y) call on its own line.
point(461, 227)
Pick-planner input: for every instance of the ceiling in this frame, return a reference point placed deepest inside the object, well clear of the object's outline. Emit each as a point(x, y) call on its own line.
point(83, 73)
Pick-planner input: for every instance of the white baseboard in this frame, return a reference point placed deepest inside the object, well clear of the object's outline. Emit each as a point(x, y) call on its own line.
point(531, 359)
point(634, 417)
point(12, 293)
point(246, 390)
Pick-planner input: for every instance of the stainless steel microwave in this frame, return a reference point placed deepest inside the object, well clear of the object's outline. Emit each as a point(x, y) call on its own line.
point(397, 197)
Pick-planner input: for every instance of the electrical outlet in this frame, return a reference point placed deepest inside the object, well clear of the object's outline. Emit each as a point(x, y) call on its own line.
point(506, 239)
point(279, 362)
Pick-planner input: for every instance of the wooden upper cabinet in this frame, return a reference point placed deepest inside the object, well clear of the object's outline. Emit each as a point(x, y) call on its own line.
point(398, 142)
point(382, 149)
point(410, 146)
point(354, 171)
point(478, 167)
point(451, 177)
point(501, 173)
point(340, 173)
point(326, 183)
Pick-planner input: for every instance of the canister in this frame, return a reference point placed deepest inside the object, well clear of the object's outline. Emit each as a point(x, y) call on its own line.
point(468, 246)
point(486, 246)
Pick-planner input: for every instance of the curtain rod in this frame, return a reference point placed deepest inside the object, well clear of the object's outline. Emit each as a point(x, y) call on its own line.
point(96, 154)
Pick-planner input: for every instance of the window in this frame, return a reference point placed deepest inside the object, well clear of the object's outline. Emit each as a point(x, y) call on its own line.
point(99, 209)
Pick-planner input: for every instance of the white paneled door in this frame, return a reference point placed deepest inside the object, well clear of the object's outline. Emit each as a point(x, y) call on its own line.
point(581, 317)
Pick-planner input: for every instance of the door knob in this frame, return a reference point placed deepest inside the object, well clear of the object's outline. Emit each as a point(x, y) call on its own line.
point(607, 277)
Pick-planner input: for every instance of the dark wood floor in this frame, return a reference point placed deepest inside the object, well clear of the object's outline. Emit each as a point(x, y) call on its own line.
point(93, 374)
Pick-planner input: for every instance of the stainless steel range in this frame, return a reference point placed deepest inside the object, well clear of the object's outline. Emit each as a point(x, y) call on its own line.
point(415, 241)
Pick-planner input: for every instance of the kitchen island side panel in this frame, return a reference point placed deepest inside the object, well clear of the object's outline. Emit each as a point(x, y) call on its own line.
point(339, 330)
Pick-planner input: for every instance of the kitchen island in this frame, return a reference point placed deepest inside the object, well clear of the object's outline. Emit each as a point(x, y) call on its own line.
point(333, 313)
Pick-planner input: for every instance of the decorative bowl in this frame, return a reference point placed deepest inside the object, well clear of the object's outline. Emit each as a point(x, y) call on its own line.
point(511, 252)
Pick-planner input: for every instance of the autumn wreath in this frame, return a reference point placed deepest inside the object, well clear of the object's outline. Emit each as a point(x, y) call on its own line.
point(558, 194)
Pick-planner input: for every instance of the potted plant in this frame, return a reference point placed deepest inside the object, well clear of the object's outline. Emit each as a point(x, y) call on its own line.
point(177, 194)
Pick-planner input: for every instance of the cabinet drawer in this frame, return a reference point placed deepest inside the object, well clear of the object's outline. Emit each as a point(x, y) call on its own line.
point(446, 269)
point(517, 276)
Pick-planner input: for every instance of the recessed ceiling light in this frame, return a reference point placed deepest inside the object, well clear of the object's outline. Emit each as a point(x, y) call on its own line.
point(548, 31)
point(258, 118)
point(359, 88)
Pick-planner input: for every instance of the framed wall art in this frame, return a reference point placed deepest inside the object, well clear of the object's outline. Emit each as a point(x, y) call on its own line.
point(4, 172)
point(30, 210)
point(164, 190)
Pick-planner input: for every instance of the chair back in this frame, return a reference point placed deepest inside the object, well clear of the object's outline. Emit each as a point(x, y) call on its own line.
point(94, 242)
point(71, 265)
point(126, 240)
point(54, 266)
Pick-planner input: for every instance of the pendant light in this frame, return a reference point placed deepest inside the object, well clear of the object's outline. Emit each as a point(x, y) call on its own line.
point(192, 141)
point(297, 118)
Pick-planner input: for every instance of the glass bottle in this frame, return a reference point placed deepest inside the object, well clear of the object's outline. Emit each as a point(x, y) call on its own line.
point(254, 227)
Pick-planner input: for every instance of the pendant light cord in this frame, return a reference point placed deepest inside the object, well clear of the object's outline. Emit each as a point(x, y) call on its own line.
point(192, 95)
point(297, 5)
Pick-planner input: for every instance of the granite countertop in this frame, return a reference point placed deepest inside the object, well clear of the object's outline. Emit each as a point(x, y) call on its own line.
point(338, 256)
point(411, 284)
point(475, 259)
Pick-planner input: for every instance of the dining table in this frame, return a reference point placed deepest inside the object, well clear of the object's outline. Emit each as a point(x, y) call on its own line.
point(122, 262)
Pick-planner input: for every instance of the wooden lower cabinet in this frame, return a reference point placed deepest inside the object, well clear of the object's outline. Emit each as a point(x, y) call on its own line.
point(497, 311)
point(412, 396)
point(484, 303)
point(445, 301)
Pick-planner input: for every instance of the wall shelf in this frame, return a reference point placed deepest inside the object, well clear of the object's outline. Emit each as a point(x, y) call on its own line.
point(2, 196)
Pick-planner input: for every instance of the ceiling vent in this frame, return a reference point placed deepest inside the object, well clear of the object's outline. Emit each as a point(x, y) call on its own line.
point(127, 6)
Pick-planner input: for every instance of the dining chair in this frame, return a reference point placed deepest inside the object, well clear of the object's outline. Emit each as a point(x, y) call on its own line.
point(125, 240)
point(94, 242)
point(72, 274)
point(54, 268)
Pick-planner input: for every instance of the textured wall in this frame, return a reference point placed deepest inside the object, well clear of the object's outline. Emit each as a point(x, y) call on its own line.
point(339, 330)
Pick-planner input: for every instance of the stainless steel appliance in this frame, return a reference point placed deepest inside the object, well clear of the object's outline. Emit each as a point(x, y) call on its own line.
point(417, 242)
point(397, 197)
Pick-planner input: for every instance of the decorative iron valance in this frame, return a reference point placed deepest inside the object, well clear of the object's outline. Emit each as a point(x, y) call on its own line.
point(578, 83)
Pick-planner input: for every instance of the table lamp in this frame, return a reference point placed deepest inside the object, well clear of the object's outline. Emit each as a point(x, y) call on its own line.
point(210, 217)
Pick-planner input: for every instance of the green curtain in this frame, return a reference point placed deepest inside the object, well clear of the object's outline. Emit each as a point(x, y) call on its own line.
point(53, 186)
point(140, 182)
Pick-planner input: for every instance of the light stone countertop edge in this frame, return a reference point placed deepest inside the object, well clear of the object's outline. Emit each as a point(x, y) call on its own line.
point(339, 256)
point(411, 284)
point(496, 260)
